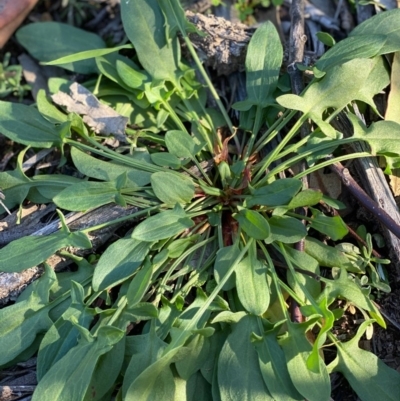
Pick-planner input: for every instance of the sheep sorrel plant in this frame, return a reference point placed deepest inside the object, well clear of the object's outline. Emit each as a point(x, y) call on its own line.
point(193, 303)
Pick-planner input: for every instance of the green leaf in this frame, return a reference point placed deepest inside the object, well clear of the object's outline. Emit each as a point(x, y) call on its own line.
point(345, 287)
point(307, 197)
point(286, 229)
point(156, 382)
point(106, 372)
point(130, 74)
point(144, 25)
point(180, 144)
point(23, 321)
point(225, 258)
point(273, 367)
point(303, 261)
point(87, 195)
point(15, 187)
point(312, 386)
point(263, 63)
point(63, 335)
point(194, 389)
point(47, 41)
point(341, 84)
point(365, 46)
point(146, 349)
point(382, 136)
point(333, 227)
point(253, 223)
point(25, 125)
point(30, 251)
point(388, 24)
point(163, 225)
point(86, 54)
point(279, 192)
point(252, 286)
point(239, 375)
point(392, 112)
point(327, 255)
point(165, 159)
point(108, 170)
point(369, 377)
point(70, 377)
point(172, 188)
point(198, 353)
point(175, 19)
point(326, 39)
point(139, 285)
point(120, 260)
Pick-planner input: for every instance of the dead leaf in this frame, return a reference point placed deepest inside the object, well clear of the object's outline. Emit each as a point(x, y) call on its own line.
point(100, 117)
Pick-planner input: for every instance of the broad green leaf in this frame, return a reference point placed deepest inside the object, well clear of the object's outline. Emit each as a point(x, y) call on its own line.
point(139, 284)
point(31, 250)
point(23, 321)
point(253, 223)
point(312, 386)
point(303, 261)
point(279, 192)
point(87, 195)
point(165, 159)
point(163, 225)
point(47, 41)
point(144, 25)
point(48, 110)
point(333, 227)
point(198, 353)
point(156, 382)
point(131, 76)
point(286, 229)
point(25, 125)
point(225, 257)
point(273, 367)
point(252, 286)
point(341, 84)
point(327, 255)
point(239, 375)
point(108, 170)
point(308, 197)
point(180, 144)
point(177, 247)
point(63, 335)
point(388, 24)
point(70, 377)
point(172, 188)
point(365, 46)
point(146, 349)
point(210, 366)
point(120, 260)
point(382, 136)
point(194, 389)
point(263, 63)
point(369, 377)
point(106, 373)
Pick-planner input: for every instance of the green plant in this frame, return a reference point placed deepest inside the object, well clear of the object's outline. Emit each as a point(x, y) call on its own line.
point(206, 275)
point(246, 8)
point(10, 79)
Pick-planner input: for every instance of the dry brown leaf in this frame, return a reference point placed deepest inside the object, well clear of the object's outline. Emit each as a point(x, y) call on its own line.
point(100, 117)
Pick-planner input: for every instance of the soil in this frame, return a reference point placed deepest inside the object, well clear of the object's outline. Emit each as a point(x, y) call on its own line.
point(102, 17)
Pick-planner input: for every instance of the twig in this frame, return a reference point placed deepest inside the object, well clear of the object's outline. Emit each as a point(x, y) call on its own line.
point(364, 199)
